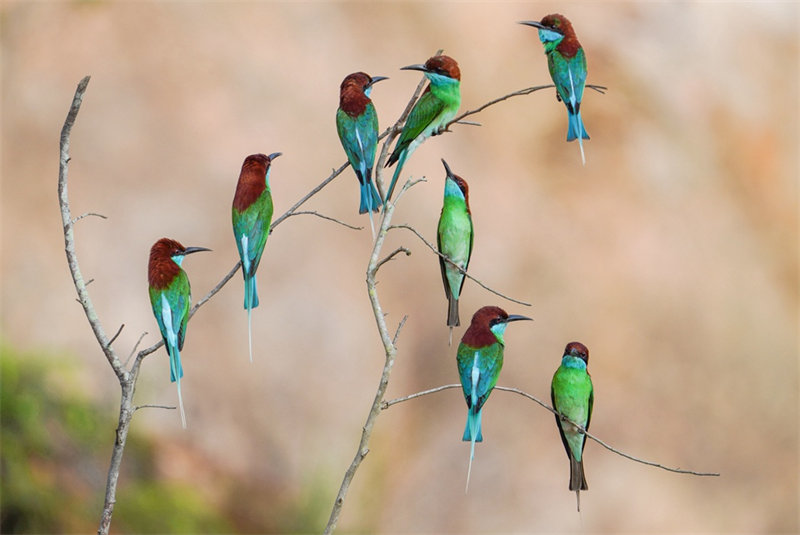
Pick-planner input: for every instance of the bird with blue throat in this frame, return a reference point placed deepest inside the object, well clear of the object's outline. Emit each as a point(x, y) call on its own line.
point(572, 394)
point(436, 107)
point(252, 218)
point(454, 238)
point(566, 62)
point(171, 299)
point(357, 126)
point(480, 359)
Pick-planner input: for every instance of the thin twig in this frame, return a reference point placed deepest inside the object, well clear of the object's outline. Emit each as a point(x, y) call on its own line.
point(387, 404)
point(392, 255)
point(459, 268)
point(312, 212)
point(117, 334)
point(399, 328)
point(87, 214)
point(149, 406)
point(135, 346)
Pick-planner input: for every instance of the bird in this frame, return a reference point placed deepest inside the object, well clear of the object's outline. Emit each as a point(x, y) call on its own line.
point(572, 395)
point(566, 62)
point(480, 359)
point(436, 107)
point(454, 239)
point(357, 125)
point(252, 216)
point(171, 298)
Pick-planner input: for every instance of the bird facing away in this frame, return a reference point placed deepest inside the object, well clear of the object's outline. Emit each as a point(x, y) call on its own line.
point(171, 298)
point(357, 125)
point(454, 238)
point(436, 107)
point(566, 62)
point(572, 395)
point(480, 359)
point(252, 216)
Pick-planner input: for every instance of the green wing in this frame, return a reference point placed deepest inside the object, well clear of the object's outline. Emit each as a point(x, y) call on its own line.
point(254, 222)
point(428, 107)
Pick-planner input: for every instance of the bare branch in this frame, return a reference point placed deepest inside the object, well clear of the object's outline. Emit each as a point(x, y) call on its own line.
point(397, 332)
point(459, 268)
point(69, 237)
point(392, 255)
point(606, 446)
point(133, 351)
point(148, 406)
point(117, 334)
point(313, 212)
point(387, 404)
point(87, 214)
point(304, 198)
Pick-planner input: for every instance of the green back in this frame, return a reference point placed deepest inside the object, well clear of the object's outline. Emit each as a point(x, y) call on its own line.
point(560, 70)
point(359, 137)
point(179, 297)
point(490, 362)
point(254, 222)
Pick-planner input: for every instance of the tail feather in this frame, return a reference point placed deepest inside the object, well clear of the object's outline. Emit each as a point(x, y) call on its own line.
point(180, 404)
point(370, 200)
point(250, 331)
point(472, 433)
point(576, 130)
point(397, 170)
point(250, 292)
point(577, 479)
point(452, 312)
point(175, 368)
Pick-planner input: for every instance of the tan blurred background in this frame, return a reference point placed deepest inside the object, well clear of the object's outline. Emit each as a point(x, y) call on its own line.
point(673, 254)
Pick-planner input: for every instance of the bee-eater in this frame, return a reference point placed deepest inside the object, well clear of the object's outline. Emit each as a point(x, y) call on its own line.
point(454, 238)
point(480, 358)
point(436, 107)
point(252, 216)
point(171, 298)
point(357, 125)
point(573, 396)
point(567, 64)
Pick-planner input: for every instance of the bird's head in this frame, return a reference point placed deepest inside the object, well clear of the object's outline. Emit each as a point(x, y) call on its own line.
point(438, 68)
point(577, 350)
point(488, 325)
point(454, 185)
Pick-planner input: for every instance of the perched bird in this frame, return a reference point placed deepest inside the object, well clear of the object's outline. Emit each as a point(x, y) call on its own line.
point(171, 298)
point(454, 238)
point(480, 358)
point(436, 107)
point(573, 396)
point(567, 64)
point(357, 125)
point(252, 216)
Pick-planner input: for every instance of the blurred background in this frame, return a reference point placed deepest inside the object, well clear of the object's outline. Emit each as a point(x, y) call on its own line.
point(673, 255)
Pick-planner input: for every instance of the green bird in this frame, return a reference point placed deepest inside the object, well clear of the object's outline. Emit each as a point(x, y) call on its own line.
point(436, 107)
point(572, 394)
point(480, 359)
point(357, 126)
point(251, 215)
point(566, 62)
point(454, 238)
point(171, 299)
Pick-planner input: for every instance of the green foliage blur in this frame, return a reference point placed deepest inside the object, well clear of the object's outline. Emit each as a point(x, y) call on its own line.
point(54, 458)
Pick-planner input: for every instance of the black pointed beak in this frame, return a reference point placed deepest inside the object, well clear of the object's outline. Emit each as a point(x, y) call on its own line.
point(376, 79)
point(190, 250)
point(447, 169)
point(274, 155)
point(534, 23)
point(415, 67)
point(517, 317)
